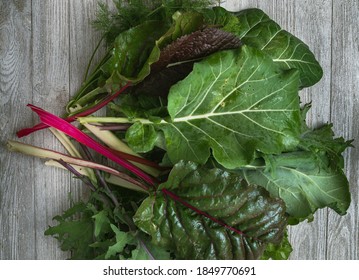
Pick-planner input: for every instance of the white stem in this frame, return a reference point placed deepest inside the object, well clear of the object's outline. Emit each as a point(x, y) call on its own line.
point(70, 147)
point(111, 178)
point(52, 155)
point(115, 143)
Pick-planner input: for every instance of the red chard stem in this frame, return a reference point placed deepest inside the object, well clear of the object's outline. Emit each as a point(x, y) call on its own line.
point(67, 128)
point(93, 109)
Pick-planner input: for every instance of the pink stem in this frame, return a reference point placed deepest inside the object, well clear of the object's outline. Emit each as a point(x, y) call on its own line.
point(104, 102)
point(72, 131)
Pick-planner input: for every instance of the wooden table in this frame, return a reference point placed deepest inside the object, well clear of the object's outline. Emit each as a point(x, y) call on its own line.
point(44, 50)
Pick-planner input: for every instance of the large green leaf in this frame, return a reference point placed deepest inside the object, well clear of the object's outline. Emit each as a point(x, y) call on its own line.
point(196, 211)
point(310, 177)
point(256, 29)
point(235, 102)
point(305, 181)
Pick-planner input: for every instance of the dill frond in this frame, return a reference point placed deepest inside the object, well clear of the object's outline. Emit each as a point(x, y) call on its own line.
point(130, 13)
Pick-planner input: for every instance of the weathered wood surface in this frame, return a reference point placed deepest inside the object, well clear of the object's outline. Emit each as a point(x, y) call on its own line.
point(44, 49)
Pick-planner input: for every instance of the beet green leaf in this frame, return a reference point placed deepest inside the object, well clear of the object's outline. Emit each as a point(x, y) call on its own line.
point(202, 213)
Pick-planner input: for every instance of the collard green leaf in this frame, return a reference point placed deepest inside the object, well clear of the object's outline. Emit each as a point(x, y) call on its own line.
point(233, 103)
point(305, 181)
point(214, 215)
point(310, 177)
point(256, 29)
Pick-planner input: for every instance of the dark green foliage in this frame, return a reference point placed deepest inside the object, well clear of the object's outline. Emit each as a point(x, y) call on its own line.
point(214, 96)
point(131, 13)
point(92, 230)
point(225, 198)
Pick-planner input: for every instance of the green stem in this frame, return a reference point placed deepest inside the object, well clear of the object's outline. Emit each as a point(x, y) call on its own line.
point(89, 82)
point(84, 120)
point(93, 56)
point(86, 99)
point(71, 149)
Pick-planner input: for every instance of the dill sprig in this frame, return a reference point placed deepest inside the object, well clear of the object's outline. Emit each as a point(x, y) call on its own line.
point(130, 13)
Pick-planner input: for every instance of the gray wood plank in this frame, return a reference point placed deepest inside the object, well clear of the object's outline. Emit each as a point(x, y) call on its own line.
point(343, 237)
point(50, 32)
point(44, 50)
point(17, 230)
point(309, 239)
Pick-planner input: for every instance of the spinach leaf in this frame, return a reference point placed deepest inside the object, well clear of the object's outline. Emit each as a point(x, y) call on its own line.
point(202, 213)
point(235, 103)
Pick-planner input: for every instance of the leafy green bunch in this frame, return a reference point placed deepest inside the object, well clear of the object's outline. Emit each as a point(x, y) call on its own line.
point(204, 115)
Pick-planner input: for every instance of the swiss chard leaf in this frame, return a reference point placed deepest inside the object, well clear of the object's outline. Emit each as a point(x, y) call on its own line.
point(234, 102)
point(212, 215)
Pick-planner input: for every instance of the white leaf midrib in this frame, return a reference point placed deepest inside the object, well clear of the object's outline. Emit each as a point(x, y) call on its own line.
point(218, 114)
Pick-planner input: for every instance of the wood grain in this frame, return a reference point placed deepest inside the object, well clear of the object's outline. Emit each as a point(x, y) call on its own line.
point(44, 50)
point(343, 237)
point(17, 232)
